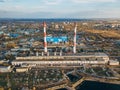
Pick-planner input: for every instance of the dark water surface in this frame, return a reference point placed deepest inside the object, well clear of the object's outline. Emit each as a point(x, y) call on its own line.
point(92, 85)
point(62, 89)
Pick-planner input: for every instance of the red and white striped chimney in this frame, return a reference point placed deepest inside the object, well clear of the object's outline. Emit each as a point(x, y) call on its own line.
point(45, 41)
point(75, 30)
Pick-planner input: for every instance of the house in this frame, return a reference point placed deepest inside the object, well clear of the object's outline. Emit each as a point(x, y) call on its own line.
point(21, 69)
point(113, 62)
point(5, 69)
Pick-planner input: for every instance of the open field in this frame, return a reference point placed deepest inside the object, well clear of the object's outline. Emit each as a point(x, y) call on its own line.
point(105, 33)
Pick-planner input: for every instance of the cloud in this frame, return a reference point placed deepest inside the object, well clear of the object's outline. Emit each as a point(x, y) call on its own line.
point(106, 13)
point(60, 8)
point(53, 2)
point(5, 0)
point(41, 14)
point(93, 1)
point(2, 0)
point(79, 14)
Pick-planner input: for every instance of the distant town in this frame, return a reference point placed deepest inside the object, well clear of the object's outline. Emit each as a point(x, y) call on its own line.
point(58, 54)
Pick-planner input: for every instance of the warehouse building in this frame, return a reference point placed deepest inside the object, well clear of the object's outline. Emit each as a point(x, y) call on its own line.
point(57, 39)
point(71, 60)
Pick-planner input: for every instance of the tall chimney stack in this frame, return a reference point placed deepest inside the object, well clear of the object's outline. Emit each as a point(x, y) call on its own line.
point(45, 41)
point(75, 30)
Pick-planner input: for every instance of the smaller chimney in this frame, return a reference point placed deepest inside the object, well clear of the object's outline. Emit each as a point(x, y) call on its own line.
point(37, 54)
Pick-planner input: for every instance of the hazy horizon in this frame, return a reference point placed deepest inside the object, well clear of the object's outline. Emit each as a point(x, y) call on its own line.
point(59, 9)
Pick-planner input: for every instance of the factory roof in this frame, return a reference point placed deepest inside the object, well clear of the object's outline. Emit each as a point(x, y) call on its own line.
point(69, 56)
point(56, 39)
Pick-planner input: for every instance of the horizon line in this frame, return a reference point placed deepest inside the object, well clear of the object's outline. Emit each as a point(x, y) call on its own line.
point(61, 18)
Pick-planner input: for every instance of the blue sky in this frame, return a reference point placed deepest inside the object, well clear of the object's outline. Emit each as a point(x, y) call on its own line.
point(59, 8)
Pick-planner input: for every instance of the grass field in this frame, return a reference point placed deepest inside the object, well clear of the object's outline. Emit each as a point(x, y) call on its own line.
point(106, 33)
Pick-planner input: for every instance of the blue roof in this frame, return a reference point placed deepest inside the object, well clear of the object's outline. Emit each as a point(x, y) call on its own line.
point(14, 35)
point(1, 32)
point(57, 39)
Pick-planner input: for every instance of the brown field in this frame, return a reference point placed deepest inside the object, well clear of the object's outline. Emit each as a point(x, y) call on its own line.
point(106, 33)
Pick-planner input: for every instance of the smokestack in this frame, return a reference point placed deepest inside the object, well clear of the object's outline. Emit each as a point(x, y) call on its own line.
point(45, 41)
point(48, 54)
point(61, 53)
point(75, 29)
point(37, 54)
point(42, 53)
point(55, 53)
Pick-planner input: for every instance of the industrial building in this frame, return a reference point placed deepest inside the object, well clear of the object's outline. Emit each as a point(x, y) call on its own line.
point(5, 69)
point(21, 69)
point(65, 60)
point(114, 62)
point(56, 40)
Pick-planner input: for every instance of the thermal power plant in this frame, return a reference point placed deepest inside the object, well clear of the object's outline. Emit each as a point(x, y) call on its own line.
point(75, 31)
point(45, 41)
point(53, 59)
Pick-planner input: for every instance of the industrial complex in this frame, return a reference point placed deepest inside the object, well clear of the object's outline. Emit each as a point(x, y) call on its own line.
point(45, 55)
point(61, 59)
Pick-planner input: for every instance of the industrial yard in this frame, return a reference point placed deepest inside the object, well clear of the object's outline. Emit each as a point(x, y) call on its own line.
point(45, 55)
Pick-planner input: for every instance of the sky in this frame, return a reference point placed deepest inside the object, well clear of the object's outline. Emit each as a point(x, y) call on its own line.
point(59, 8)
